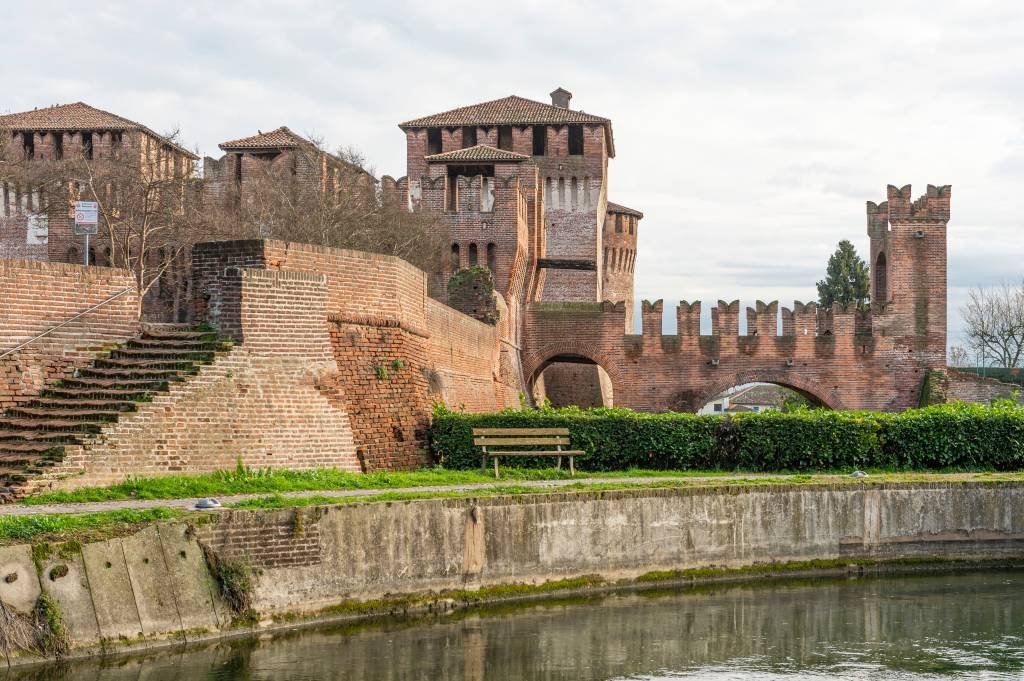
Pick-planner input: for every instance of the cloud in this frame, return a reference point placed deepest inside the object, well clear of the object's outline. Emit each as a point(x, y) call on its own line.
point(750, 133)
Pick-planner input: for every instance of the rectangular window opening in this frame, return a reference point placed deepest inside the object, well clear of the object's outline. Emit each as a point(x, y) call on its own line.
point(433, 141)
point(28, 140)
point(58, 145)
point(575, 140)
point(540, 140)
point(468, 137)
point(505, 137)
point(87, 145)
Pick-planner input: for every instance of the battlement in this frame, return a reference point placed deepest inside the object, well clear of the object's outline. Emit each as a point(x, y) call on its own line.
point(932, 206)
point(803, 319)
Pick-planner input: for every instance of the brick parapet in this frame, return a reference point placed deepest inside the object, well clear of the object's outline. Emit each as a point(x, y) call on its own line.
point(41, 295)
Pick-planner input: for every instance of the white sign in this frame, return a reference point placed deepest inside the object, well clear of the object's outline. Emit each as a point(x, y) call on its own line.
point(87, 213)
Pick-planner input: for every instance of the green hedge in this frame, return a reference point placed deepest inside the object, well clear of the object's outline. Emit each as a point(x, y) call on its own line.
point(939, 437)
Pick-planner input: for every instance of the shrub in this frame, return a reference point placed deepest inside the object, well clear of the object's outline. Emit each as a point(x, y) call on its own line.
point(938, 437)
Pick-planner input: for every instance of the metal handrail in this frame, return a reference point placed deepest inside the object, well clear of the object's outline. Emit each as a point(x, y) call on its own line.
point(66, 322)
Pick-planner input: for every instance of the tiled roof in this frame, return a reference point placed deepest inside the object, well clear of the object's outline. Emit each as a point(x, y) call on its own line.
point(765, 395)
point(617, 208)
point(77, 116)
point(480, 152)
point(282, 138)
point(511, 110)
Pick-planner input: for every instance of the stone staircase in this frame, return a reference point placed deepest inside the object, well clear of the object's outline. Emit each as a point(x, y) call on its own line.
point(33, 435)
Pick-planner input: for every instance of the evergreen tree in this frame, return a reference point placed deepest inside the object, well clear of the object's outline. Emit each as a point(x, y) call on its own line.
point(846, 279)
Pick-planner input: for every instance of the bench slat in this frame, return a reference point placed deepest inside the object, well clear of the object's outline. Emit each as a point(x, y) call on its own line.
point(505, 441)
point(566, 452)
point(508, 432)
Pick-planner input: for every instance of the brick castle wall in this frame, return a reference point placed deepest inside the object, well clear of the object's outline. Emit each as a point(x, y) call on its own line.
point(40, 295)
point(394, 349)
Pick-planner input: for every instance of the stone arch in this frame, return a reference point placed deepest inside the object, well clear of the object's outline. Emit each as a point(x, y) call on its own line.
point(535, 361)
point(802, 384)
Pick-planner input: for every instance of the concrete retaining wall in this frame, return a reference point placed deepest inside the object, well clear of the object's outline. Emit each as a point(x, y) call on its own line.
point(156, 584)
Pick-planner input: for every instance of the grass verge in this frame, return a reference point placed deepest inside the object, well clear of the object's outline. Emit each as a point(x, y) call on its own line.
point(80, 527)
point(244, 480)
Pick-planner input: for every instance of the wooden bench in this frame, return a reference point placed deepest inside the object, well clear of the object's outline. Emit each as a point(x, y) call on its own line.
point(493, 442)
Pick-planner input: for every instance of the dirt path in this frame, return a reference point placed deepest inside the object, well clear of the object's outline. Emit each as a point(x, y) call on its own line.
point(190, 503)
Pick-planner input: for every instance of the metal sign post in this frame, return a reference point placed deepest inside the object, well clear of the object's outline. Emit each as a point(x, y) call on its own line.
point(87, 222)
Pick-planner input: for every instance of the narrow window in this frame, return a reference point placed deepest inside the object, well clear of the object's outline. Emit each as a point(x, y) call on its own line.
point(87, 145)
point(540, 140)
point(881, 279)
point(505, 137)
point(238, 169)
point(618, 223)
point(7, 200)
point(492, 257)
point(116, 141)
point(472, 255)
point(561, 192)
point(548, 194)
point(28, 140)
point(455, 262)
point(574, 188)
point(575, 140)
point(586, 193)
point(433, 140)
point(468, 136)
point(486, 194)
point(451, 194)
point(58, 145)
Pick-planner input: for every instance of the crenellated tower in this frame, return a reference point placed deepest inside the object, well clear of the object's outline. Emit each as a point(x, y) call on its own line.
point(618, 263)
point(908, 268)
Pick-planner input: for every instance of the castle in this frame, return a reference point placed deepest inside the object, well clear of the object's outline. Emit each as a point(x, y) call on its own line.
point(337, 355)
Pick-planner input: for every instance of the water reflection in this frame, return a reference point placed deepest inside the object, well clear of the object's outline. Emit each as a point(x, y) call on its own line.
point(893, 628)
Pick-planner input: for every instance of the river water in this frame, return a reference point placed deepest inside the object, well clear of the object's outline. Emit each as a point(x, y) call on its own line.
point(916, 627)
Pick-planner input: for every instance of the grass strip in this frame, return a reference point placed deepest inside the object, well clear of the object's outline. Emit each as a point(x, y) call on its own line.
point(244, 480)
point(81, 527)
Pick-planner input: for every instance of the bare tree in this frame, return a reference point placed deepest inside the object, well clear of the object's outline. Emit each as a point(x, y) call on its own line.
point(958, 356)
point(994, 321)
point(311, 196)
point(150, 212)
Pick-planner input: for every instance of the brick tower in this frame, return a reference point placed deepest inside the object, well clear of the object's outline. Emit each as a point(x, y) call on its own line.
point(908, 269)
point(619, 261)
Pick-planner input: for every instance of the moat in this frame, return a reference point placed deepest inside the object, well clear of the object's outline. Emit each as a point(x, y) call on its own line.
point(967, 625)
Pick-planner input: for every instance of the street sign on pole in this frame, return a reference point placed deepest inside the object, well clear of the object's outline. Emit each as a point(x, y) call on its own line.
point(87, 221)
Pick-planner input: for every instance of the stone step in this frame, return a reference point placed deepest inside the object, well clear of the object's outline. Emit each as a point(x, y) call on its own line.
point(146, 364)
point(168, 335)
point(64, 425)
point(163, 353)
point(98, 415)
point(52, 436)
point(122, 375)
point(59, 404)
point(27, 447)
point(158, 344)
point(102, 393)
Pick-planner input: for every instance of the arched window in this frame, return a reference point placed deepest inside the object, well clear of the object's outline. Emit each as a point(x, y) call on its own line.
point(473, 260)
point(455, 261)
point(492, 257)
point(881, 279)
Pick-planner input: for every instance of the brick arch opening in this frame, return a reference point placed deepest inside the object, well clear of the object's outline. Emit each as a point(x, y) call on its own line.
point(813, 390)
point(569, 354)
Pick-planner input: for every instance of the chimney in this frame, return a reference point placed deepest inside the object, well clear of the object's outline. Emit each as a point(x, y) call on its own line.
point(560, 98)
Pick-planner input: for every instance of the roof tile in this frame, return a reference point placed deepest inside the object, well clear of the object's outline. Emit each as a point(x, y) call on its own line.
point(77, 116)
point(618, 208)
point(511, 110)
point(480, 152)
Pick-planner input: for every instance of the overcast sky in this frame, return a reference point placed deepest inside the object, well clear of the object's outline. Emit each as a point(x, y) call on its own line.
point(749, 133)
